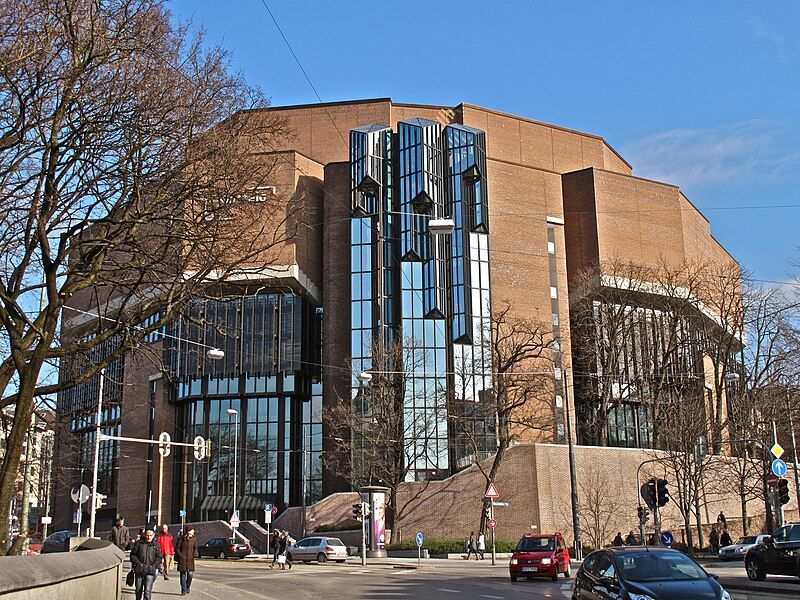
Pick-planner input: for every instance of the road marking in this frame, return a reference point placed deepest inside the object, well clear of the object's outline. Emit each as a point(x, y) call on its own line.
point(493, 597)
point(448, 591)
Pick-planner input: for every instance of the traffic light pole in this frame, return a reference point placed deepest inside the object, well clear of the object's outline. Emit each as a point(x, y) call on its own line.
point(363, 537)
point(93, 513)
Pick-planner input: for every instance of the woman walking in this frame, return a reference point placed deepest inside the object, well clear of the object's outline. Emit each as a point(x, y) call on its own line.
point(185, 553)
point(284, 543)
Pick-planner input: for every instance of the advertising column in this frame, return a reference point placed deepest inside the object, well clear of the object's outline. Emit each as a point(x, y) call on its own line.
point(375, 497)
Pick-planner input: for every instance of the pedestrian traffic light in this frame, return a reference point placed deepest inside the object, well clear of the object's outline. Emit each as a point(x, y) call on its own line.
point(358, 511)
point(644, 515)
point(487, 510)
point(99, 501)
point(662, 493)
point(648, 491)
point(365, 509)
point(783, 490)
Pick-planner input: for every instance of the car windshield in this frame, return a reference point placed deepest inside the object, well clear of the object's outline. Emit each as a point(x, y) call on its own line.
point(532, 544)
point(659, 566)
point(750, 539)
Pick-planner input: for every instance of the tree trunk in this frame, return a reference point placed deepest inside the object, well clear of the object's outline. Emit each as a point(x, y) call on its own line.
point(743, 500)
point(698, 520)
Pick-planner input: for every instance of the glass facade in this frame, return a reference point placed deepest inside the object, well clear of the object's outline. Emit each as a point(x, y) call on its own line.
point(270, 378)
point(429, 293)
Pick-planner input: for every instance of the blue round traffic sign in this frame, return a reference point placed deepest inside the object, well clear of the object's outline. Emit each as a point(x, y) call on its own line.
point(778, 467)
point(667, 539)
point(419, 539)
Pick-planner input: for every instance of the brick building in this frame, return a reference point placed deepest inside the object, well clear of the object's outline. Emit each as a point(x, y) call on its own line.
point(532, 206)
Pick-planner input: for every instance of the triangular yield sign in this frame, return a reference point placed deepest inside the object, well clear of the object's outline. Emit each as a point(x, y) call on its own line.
point(491, 492)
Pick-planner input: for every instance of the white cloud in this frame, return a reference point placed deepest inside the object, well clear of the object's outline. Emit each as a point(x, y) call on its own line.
point(696, 158)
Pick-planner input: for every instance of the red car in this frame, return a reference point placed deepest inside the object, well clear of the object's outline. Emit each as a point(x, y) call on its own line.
point(540, 555)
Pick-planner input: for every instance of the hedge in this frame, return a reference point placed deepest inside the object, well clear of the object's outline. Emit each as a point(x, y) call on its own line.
point(450, 546)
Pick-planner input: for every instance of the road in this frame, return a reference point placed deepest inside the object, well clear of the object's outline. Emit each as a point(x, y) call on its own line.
point(435, 580)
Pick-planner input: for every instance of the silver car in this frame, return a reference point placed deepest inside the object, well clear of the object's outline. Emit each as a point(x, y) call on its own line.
point(320, 549)
point(739, 549)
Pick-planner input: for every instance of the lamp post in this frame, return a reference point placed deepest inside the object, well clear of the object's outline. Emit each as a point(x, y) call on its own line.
point(235, 414)
point(576, 525)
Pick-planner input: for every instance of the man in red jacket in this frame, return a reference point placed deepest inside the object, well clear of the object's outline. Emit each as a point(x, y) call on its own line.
point(167, 549)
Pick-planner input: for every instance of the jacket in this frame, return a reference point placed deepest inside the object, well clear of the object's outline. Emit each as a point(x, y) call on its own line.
point(165, 542)
point(120, 536)
point(186, 552)
point(146, 558)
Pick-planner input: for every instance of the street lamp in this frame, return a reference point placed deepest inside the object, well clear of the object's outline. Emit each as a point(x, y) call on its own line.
point(215, 354)
point(441, 226)
point(365, 377)
point(235, 414)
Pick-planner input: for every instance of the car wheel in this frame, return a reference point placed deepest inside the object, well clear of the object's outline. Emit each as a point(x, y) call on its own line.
point(567, 572)
point(513, 578)
point(755, 572)
point(321, 558)
point(221, 555)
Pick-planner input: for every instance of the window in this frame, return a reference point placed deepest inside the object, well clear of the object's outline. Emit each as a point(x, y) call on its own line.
point(604, 567)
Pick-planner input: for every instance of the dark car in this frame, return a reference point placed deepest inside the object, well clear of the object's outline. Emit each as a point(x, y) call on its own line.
point(778, 554)
point(224, 548)
point(57, 542)
point(540, 555)
point(643, 573)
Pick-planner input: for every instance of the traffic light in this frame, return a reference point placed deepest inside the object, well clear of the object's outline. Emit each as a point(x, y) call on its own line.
point(99, 501)
point(783, 490)
point(365, 509)
point(662, 493)
point(487, 511)
point(644, 515)
point(648, 491)
point(358, 512)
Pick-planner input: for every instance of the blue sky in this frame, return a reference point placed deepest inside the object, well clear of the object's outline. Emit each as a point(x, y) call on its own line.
point(705, 95)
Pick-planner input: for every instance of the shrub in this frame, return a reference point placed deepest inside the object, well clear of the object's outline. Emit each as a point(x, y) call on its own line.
point(451, 546)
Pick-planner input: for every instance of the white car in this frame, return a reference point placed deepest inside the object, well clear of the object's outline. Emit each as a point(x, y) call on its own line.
point(737, 550)
point(320, 549)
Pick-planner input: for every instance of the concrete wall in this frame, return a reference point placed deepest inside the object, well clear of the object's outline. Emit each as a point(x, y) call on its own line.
point(95, 574)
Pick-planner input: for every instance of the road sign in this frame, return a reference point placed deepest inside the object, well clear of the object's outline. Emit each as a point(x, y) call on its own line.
point(80, 494)
point(268, 507)
point(778, 467)
point(164, 440)
point(494, 503)
point(491, 491)
point(492, 523)
point(772, 481)
point(419, 539)
point(182, 513)
point(777, 450)
point(274, 510)
point(268, 516)
point(235, 520)
point(47, 520)
point(667, 539)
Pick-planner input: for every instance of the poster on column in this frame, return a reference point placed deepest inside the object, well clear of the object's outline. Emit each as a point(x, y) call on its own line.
point(379, 519)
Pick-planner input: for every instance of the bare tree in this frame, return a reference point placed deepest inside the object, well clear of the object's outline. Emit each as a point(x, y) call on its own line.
point(126, 187)
point(522, 394)
point(603, 508)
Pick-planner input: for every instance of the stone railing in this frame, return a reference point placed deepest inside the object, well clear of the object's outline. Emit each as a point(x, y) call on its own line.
point(92, 570)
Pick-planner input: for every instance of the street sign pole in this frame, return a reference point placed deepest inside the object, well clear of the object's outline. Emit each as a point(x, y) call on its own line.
point(419, 539)
point(363, 539)
point(93, 509)
point(494, 551)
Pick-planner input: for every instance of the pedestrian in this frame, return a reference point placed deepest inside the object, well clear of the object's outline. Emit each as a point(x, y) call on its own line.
point(722, 520)
point(472, 545)
point(185, 553)
point(713, 539)
point(284, 543)
point(725, 540)
point(145, 560)
point(275, 544)
point(618, 541)
point(166, 543)
point(120, 536)
point(481, 544)
point(630, 539)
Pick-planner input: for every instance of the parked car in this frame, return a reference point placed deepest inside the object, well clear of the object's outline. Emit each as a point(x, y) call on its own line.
point(639, 573)
point(540, 555)
point(34, 546)
point(739, 549)
point(775, 555)
point(320, 549)
point(224, 548)
point(58, 541)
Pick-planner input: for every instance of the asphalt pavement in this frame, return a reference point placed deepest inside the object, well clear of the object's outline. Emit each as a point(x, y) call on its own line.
point(399, 579)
